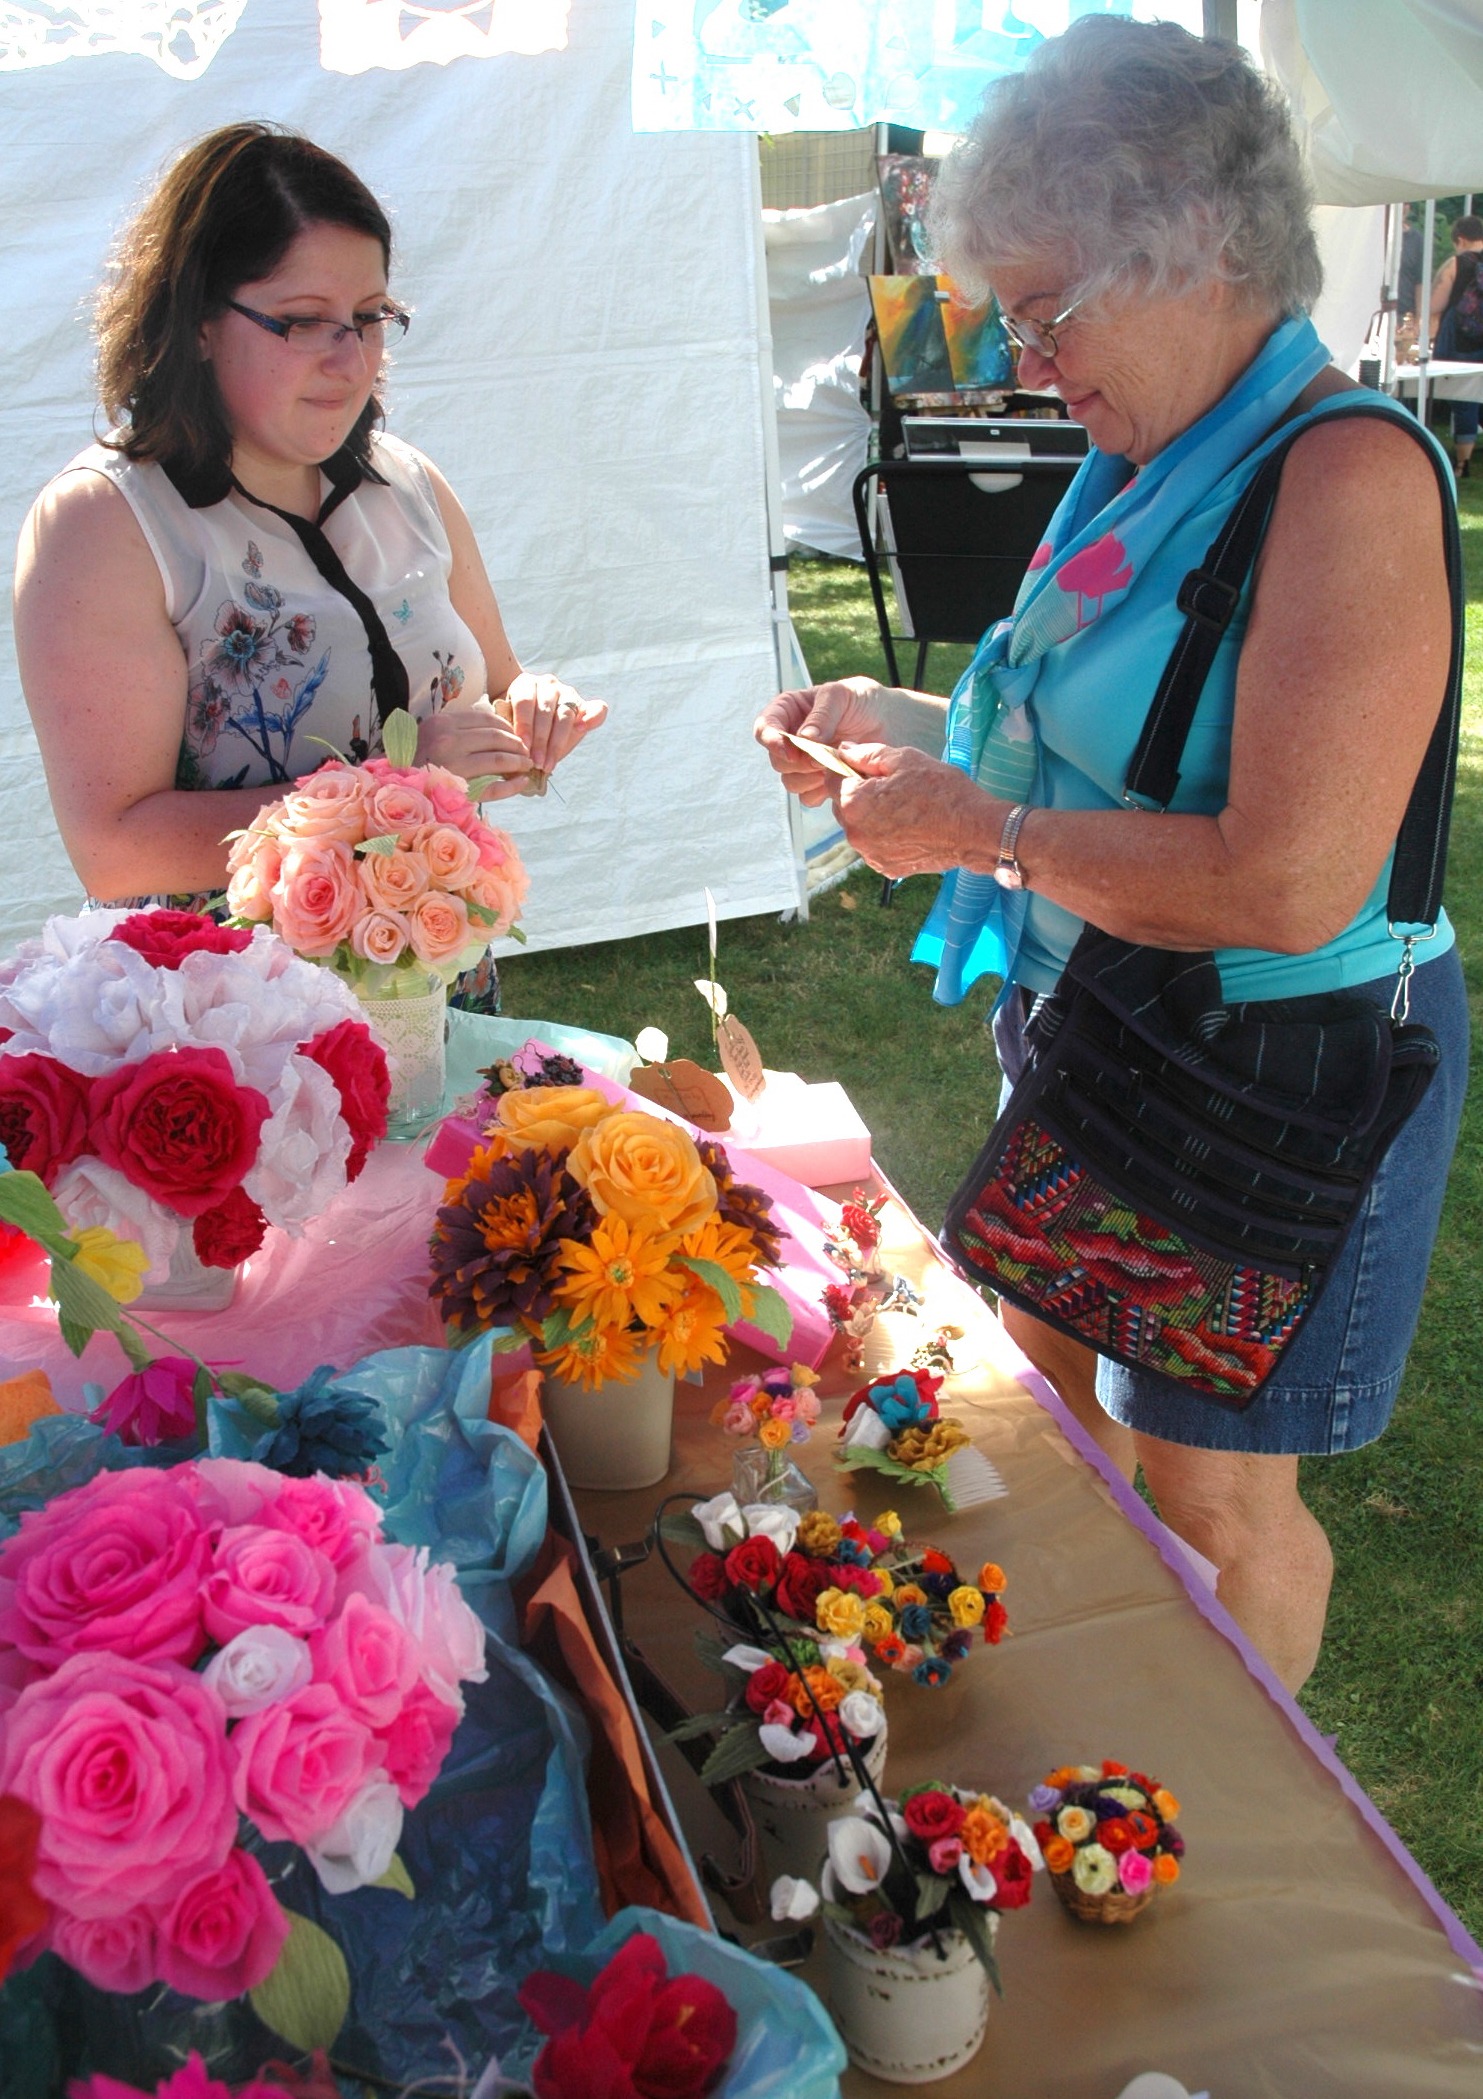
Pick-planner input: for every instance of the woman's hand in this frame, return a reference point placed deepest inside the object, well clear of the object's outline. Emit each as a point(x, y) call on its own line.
point(475, 743)
point(843, 707)
point(549, 718)
point(912, 815)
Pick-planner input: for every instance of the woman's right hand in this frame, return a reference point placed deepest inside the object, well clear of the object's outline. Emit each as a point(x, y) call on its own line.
point(475, 743)
point(844, 710)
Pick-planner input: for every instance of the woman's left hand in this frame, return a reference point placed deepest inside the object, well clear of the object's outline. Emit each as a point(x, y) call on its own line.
point(913, 815)
point(549, 718)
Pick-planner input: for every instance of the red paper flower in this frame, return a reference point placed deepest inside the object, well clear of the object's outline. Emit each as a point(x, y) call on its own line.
point(156, 1405)
point(766, 1684)
point(755, 1564)
point(708, 1576)
point(800, 1584)
point(356, 1062)
point(1013, 1877)
point(634, 2035)
point(165, 938)
point(231, 1231)
point(43, 1114)
point(22, 1911)
point(1115, 1834)
point(935, 1562)
point(178, 1126)
point(995, 1620)
point(932, 1815)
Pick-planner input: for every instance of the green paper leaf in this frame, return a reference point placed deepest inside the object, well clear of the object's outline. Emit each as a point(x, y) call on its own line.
point(482, 915)
point(972, 1919)
point(682, 1530)
point(770, 1314)
point(480, 785)
point(252, 1395)
point(202, 1385)
point(76, 1337)
point(558, 1328)
point(736, 1753)
point(860, 1457)
point(307, 1996)
point(398, 1878)
point(134, 1346)
point(325, 745)
point(399, 737)
point(711, 1649)
point(383, 845)
point(713, 1273)
point(931, 1893)
point(518, 935)
point(699, 1724)
point(25, 1203)
point(82, 1300)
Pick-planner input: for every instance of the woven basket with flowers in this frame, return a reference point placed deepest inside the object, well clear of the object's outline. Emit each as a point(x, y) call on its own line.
point(1108, 1838)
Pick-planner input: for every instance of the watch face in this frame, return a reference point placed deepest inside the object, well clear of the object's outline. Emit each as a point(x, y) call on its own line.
point(1008, 876)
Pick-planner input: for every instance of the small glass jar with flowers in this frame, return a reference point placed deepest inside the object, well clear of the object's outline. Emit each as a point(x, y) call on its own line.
point(1108, 1838)
point(770, 1412)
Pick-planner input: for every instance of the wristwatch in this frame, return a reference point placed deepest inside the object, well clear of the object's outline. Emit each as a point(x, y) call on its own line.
point(1007, 870)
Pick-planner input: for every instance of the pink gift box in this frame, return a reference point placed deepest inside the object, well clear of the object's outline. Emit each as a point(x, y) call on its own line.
point(801, 1214)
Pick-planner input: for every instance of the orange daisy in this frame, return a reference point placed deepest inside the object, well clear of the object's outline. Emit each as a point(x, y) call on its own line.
point(592, 1356)
point(621, 1276)
point(693, 1331)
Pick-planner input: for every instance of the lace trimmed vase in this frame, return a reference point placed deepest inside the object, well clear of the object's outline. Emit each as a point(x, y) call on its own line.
point(907, 2014)
point(408, 1014)
point(792, 1813)
point(617, 1436)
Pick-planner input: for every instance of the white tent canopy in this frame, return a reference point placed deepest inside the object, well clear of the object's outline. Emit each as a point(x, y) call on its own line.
point(585, 365)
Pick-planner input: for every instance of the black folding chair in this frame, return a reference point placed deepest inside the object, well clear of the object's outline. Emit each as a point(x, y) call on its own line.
point(956, 536)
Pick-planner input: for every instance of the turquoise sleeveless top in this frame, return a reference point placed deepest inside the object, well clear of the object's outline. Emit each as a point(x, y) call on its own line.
point(1053, 703)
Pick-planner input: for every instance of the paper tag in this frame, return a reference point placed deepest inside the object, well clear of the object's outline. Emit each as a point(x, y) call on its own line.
point(823, 754)
point(740, 1058)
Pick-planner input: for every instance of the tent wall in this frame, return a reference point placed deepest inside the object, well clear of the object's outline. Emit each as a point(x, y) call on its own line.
point(584, 366)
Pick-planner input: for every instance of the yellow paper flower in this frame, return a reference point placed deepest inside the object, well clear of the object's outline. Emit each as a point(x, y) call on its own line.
point(967, 1606)
point(693, 1331)
point(116, 1265)
point(802, 1375)
point(551, 1117)
point(887, 1581)
point(818, 1535)
point(889, 1522)
point(853, 1676)
point(878, 1622)
point(727, 1245)
point(648, 1171)
point(622, 1276)
point(594, 1358)
point(1074, 1824)
point(772, 1435)
point(841, 1612)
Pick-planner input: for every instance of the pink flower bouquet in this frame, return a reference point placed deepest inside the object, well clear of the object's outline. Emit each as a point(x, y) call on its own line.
point(194, 1659)
point(160, 1073)
point(378, 865)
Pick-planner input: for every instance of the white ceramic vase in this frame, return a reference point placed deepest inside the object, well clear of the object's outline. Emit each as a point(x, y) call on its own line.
point(792, 1813)
point(617, 1436)
point(906, 2015)
point(408, 1014)
point(190, 1286)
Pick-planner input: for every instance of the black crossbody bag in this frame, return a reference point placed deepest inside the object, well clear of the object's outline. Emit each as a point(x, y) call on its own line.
point(1173, 1176)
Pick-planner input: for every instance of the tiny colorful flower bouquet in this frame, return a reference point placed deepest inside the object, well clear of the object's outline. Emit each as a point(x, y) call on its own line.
point(1108, 1838)
point(599, 1233)
point(788, 1720)
point(769, 1412)
point(895, 1425)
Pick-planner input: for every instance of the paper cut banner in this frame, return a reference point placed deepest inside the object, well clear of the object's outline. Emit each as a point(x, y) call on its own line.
point(355, 35)
point(181, 36)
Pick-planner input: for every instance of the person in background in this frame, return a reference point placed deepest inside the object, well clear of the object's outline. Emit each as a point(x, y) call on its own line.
point(1457, 327)
point(246, 568)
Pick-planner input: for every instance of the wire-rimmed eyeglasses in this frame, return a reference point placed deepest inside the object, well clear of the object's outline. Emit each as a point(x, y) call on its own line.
point(1037, 335)
point(312, 338)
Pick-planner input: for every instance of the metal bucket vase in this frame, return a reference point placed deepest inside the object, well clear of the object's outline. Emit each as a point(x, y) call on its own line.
point(905, 2015)
point(617, 1436)
point(792, 1814)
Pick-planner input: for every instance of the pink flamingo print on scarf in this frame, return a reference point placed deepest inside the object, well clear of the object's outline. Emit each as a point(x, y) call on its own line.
point(1095, 573)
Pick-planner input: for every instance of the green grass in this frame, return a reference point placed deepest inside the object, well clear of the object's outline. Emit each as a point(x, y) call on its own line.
point(1402, 1667)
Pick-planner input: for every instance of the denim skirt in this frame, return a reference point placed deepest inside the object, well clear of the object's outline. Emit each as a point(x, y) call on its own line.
point(1336, 1385)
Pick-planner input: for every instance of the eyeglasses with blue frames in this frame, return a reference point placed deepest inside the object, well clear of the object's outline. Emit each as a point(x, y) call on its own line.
point(1038, 335)
point(312, 338)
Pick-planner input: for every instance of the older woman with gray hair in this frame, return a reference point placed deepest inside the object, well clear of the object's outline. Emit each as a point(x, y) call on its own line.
point(1136, 202)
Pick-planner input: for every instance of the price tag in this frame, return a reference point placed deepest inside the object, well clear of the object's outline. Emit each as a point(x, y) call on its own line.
point(741, 1060)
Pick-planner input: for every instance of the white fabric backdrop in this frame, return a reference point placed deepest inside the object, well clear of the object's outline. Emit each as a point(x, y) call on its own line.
point(583, 366)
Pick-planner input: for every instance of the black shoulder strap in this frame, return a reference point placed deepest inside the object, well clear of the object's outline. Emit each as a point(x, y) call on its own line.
point(1208, 597)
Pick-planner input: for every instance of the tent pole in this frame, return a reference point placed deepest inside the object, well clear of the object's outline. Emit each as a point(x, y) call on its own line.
point(790, 668)
point(1390, 292)
point(1424, 324)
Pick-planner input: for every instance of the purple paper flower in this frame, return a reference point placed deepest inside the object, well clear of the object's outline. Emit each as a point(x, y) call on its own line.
point(885, 1929)
point(1044, 1800)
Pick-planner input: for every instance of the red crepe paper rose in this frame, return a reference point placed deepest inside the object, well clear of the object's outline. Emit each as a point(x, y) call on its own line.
point(1115, 1834)
point(43, 1114)
point(766, 1684)
point(155, 1405)
point(708, 1576)
point(755, 1564)
point(22, 1911)
point(996, 1618)
point(635, 2034)
point(932, 1815)
point(165, 938)
point(1013, 1878)
point(179, 1126)
point(357, 1063)
point(230, 1231)
point(800, 1585)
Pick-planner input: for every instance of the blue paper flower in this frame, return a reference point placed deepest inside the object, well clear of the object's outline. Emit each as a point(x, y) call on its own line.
point(932, 1671)
point(322, 1429)
point(915, 1621)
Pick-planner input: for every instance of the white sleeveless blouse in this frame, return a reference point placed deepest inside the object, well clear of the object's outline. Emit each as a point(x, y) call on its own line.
point(275, 656)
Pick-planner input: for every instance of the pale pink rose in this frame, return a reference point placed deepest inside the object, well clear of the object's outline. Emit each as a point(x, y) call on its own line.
point(397, 808)
point(416, 1742)
point(424, 1596)
point(328, 804)
point(115, 1565)
point(908, 1660)
point(230, 1491)
point(223, 1933)
point(738, 1421)
point(336, 1516)
point(778, 1714)
point(316, 899)
point(362, 1844)
point(250, 887)
point(381, 936)
point(944, 1854)
point(113, 1953)
point(439, 926)
point(262, 1576)
point(379, 769)
point(806, 1407)
point(784, 1409)
point(299, 1765)
point(367, 1659)
point(449, 796)
point(502, 891)
point(127, 1765)
point(393, 881)
point(256, 1668)
point(452, 860)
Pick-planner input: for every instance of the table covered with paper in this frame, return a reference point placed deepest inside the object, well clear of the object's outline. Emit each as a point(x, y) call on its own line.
point(1302, 1953)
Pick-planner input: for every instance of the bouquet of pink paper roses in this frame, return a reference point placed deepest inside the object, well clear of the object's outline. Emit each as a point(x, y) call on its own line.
point(383, 864)
point(194, 1662)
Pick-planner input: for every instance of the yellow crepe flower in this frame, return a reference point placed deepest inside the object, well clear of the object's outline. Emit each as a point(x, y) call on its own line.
point(116, 1265)
point(772, 1435)
point(622, 1276)
point(878, 1622)
point(967, 1606)
point(887, 1582)
point(818, 1534)
point(1074, 1824)
point(594, 1357)
point(694, 1330)
point(841, 1612)
point(727, 1245)
point(889, 1522)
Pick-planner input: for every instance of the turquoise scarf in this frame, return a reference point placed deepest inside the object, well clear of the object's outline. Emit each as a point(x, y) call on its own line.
point(1084, 578)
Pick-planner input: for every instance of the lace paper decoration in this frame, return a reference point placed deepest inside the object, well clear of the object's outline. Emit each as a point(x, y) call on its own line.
point(356, 35)
point(181, 36)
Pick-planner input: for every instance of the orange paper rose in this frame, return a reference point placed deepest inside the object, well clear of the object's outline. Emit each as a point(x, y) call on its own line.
point(647, 1171)
point(551, 1117)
